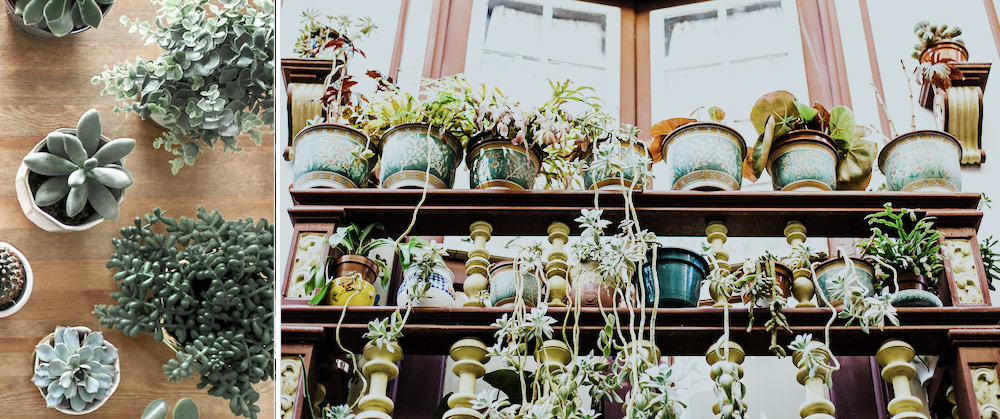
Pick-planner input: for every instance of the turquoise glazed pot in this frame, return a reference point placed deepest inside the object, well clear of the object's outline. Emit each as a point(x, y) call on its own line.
point(803, 160)
point(407, 151)
point(497, 164)
point(323, 157)
point(704, 156)
point(503, 285)
point(834, 268)
point(630, 153)
point(679, 273)
point(926, 161)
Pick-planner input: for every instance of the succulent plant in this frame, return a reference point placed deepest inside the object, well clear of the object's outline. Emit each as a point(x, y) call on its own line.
point(12, 278)
point(928, 34)
point(184, 409)
point(82, 169)
point(61, 16)
point(207, 282)
point(74, 372)
point(214, 81)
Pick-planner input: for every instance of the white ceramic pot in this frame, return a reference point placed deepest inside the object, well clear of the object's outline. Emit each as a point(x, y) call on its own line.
point(441, 293)
point(42, 219)
point(28, 280)
point(388, 254)
point(83, 330)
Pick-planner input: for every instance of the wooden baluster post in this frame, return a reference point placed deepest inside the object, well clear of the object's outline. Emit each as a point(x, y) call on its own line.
point(817, 404)
point(802, 284)
point(895, 357)
point(733, 361)
point(716, 235)
point(556, 268)
point(469, 355)
point(380, 368)
point(478, 265)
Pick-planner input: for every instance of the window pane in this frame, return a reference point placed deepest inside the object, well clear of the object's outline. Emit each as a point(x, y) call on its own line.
point(687, 38)
point(752, 30)
point(513, 27)
point(578, 37)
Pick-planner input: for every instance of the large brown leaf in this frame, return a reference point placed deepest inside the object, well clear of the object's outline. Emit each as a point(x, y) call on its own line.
point(780, 105)
point(854, 171)
point(661, 130)
point(757, 156)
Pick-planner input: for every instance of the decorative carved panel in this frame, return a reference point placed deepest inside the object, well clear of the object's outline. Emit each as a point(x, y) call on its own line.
point(290, 373)
point(963, 265)
point(308, 253)
point(984, 381)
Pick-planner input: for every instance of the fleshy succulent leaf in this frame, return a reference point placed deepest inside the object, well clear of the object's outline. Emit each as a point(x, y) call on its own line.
point(157, 409)
point(47, 164)
point(114, 150)
point(112, 178)
point(88, 130)
point(75, 201)
point(51, 191)
point(102, 200)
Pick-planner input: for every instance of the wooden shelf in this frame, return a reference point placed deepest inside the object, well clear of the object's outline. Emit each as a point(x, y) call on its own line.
point(668, 213)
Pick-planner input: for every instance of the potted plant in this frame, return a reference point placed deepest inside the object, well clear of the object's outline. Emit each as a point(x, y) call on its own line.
point(184, 409)
point(922, 161)
point(605, 265)
point(48, 19)
point(353, 270)
point(700, 155)
point(15, 280)
point(766, 283)
point(807, 147)
point(860, 271)
point(74, 178)
point(617, 162)
point(328, 37)
point(76, 370)
point(938, 42)
point(679, 274)
point(506, 152)
point(203, 92)
point(204, 287)
point(520, 278)
point(427, 282)
point(909, 248)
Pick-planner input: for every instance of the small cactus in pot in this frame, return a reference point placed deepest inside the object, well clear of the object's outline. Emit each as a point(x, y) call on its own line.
point(13, 279)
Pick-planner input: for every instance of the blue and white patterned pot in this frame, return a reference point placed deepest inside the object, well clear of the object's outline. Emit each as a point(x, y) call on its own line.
point(834, 268)
point(605, 179)
point(325, 157)
point(408, 150)
point(704, 156)
point(926, 161)
point(503, 285)
point(497, 164)
point(803, 160)
point(441, 293)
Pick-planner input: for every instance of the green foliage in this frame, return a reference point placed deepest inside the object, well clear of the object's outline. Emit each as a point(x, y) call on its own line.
point(760, 286)
point(75, 370)
point(442, 103)
point(861, 304)
point(916, 249)
point(318, 33)
point(991, 261)
point(215, 80)
point(83, 169)
point(12, 277)
point(814, 357)
point(62, 16)
point(928, 34)
point(184, 409)
point(729, 390)
point(209, 283)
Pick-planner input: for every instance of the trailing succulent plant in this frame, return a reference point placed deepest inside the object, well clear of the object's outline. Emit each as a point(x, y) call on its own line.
point(929, 34)
point(207, 283)
point(75, 371)
point(184, 409)
point(12, 278)
point(214, 81)
point(62, 16)
point(81, 169)
point(904, 242)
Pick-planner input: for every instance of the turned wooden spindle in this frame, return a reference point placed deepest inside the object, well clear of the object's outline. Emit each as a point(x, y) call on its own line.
point(895, 357)
point(556, 268)
point(802, 285)
point(716, 235)
point(478, 265)
point(469, 355)
point(817, 404)
point(735, 360)
point(380, 368)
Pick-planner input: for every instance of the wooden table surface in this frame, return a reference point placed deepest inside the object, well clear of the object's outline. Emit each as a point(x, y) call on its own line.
point(45, 85)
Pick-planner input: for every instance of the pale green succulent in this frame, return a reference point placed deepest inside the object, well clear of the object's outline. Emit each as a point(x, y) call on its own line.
point(74, 374)
point(81, 168)
point(61, 16)
point(184, 409)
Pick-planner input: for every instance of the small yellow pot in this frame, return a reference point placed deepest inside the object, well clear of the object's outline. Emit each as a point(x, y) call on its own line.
point(350, 291)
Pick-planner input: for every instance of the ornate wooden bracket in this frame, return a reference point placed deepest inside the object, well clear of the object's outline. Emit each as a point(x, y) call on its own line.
point(965, 282)
point(959, 110)
point(304, 80)
point(973, 356)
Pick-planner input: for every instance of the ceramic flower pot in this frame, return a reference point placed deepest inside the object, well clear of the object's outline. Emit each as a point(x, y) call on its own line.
point(607, 180)
point(834, 268)
point(783, 278)
point(803, 160)
point(408, 150)
point(440, 294)
point(679, 274)
point(350, 291)
point(925, 161)
point(503, 285)
point(704, 156)
point(497, 164)
point(386, 253)
point(944, 49)
point(83, 331)
point(28, 281)
point(913, 290)
point(25, 186)
point(588, 286)
point(346, 264)
point(327, 156)
point(36, 32)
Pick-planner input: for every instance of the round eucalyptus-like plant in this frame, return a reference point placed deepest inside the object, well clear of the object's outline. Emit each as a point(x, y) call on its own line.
point(61, 16)
point(214, 81)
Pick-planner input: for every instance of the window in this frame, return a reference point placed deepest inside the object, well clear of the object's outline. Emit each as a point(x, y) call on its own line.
point(518, 45)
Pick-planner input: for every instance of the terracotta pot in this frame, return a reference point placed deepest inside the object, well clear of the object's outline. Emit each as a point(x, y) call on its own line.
point(803, 160)
point(704, 156)
point(944, 49)
point(594, 290)
point(926, 161)
point(910, 281)
point(604, 180)
point(355, 263)
point(783, 277)
point(36, 32)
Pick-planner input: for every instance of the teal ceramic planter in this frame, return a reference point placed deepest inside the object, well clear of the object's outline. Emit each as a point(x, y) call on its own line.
point(834, 268)
point(926, 161)
point(497, 164)
point(503, 285)
point(679, 273)
point(803, 160)
point(629, 153)
point(704, 156)
point(408, 150)
point(324, 157)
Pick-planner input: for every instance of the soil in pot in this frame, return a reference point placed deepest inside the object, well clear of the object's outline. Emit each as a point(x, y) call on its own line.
point(58, 210)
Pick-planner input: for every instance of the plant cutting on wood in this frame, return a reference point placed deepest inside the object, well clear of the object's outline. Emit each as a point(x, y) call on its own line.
point(76, 370)
point(15, 280)
point(991, 261)
point(205, 287)
point(57, 18)
point(214, 81)
point(700, 155)
point(909, 248)
point(808, 147)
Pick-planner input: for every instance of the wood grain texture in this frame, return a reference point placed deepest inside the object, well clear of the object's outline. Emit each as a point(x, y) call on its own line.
point(45, 85)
